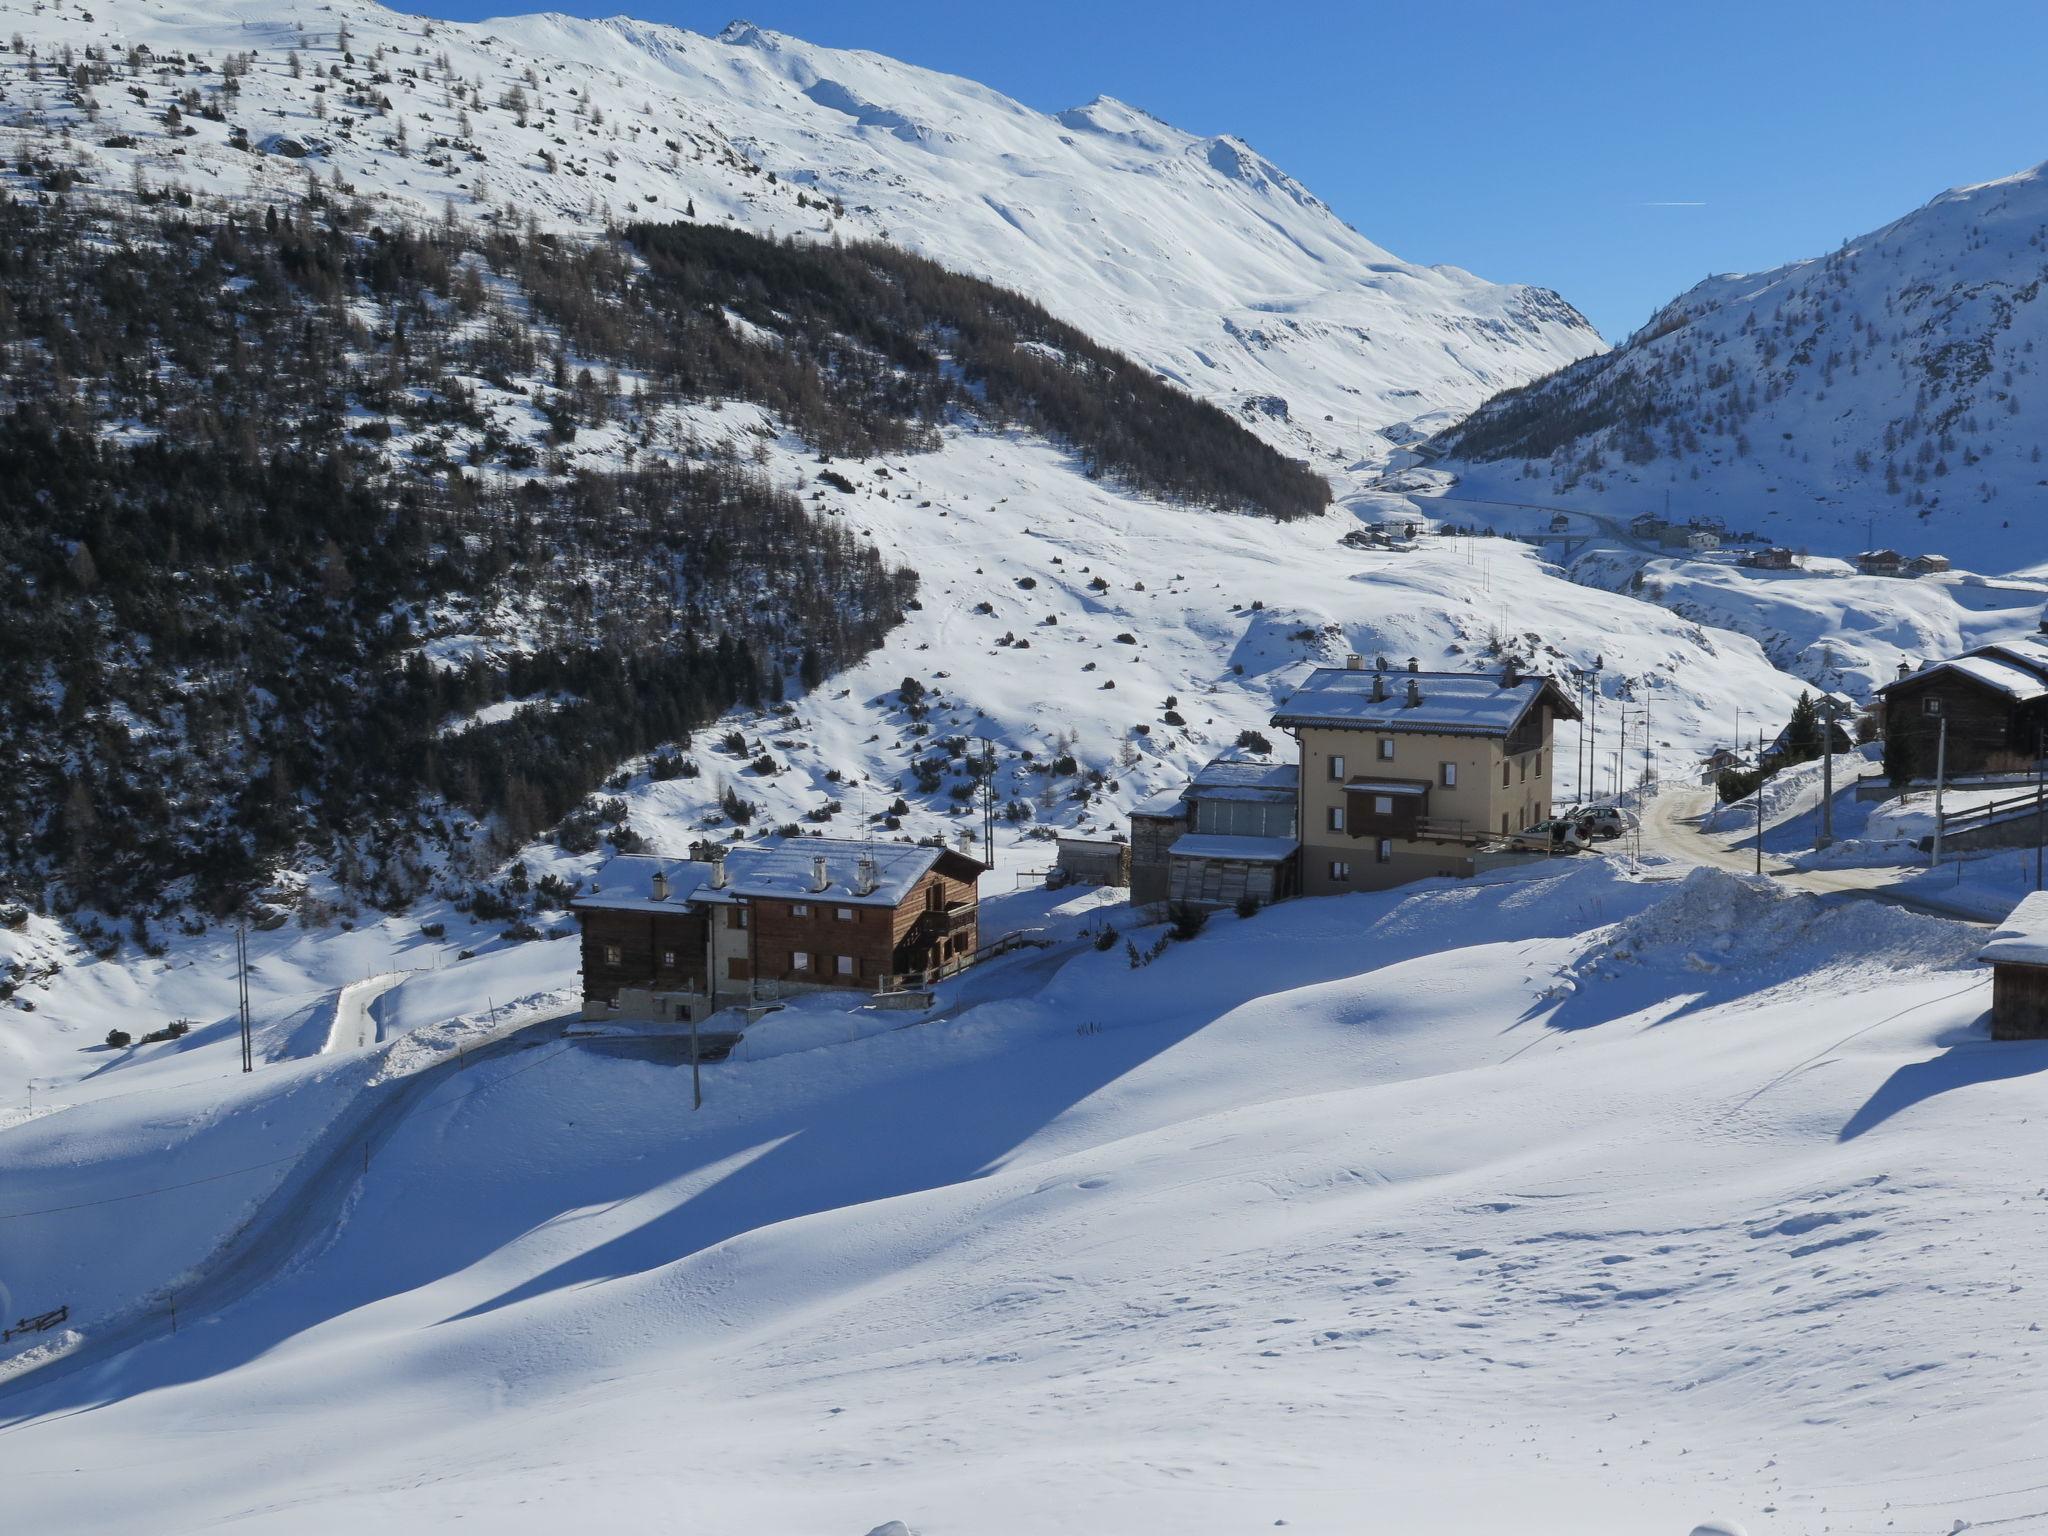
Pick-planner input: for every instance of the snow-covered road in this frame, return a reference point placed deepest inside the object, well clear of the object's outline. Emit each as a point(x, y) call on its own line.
point(1671, 826)
point(354, 1025)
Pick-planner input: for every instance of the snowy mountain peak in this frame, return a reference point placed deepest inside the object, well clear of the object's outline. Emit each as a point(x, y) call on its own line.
point(1195, 255)
point(1885, 392)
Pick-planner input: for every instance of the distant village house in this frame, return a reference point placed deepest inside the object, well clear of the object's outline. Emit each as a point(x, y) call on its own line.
point(679, 939)
point(1231, 834)
point(1402, 775)
point(1993, 701)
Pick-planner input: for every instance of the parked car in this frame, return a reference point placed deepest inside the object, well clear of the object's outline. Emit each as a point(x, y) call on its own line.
point(1560, 834)
point(1605, 822)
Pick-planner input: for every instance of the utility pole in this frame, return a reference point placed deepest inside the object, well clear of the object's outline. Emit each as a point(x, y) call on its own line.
point(242, 988)
point(988, 801)
point(1827, 774)
point(1759, 802)
point(1940, 781)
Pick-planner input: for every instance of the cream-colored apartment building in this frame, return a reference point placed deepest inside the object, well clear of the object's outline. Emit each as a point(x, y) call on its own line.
point(1404, 773)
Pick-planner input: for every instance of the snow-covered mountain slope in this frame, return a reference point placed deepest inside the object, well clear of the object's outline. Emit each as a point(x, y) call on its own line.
point(1638, 1205)
point(1192, 254)
point(1888, 392)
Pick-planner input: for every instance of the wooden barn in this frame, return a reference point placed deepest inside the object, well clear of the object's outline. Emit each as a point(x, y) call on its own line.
point(1994, 700)
point(2018, 957)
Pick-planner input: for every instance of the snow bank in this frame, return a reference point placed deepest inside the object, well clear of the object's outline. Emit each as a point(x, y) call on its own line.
point(1716, 921)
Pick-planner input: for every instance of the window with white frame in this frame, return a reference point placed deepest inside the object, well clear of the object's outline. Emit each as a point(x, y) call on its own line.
point(799, 961)
point(845, 914)
point(1386, 850)
point(668, 959)
point(846, 965)
point(799, 909)
point(1383, 805)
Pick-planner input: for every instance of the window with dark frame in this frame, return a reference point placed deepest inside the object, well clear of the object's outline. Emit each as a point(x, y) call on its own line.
point(1336, 765)
point(1448, 775)
point(1385, 853)
point(1386, 749)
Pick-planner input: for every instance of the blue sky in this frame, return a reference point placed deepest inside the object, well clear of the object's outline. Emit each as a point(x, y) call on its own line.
point(1616, 152)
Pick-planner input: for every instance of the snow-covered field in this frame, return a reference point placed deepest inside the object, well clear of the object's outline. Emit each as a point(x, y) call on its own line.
point(1643, 1201)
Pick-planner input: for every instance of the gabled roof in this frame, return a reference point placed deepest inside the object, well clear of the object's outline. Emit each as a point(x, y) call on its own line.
point(1232, 778)
point(626, 884)
point(2022, 939)
point(2016, 668)
point(1453, 703)
point(787, 869)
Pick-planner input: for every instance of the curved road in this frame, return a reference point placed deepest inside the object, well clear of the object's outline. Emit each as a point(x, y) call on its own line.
point(301, 1210)
point(1671, 827)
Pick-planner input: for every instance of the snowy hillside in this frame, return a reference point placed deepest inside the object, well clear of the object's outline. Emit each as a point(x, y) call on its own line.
point(1886, 393)
point(1570, 1205)
point(1194, 255)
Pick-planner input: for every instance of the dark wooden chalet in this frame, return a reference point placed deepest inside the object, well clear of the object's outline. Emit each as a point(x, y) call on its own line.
point(2018, 956)
point(1993, 700)
point(671, 940)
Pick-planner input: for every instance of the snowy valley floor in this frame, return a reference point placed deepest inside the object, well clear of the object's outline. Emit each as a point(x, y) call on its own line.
point(1653, 1200)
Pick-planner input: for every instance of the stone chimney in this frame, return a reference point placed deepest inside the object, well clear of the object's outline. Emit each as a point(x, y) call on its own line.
point(1414, 692)
point(1414, 665)
point(820, 880)
point(661, 885)
point(1510, 674)
point(865, 875)
point(1379, 685)
point(1354, 661)
point(1905, 669)
point(718, 874)
point(1379, 663)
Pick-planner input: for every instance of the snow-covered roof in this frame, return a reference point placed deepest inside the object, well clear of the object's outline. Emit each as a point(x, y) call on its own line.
point(2022, 939)
point(1167, 802)
point(2013, 675)
point(1228, 778)
point(626, 884)
point(1453, 703)
point(1219, 845)
point(787, 869)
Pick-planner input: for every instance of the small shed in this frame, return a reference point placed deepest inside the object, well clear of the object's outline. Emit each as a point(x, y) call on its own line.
point(1094, 861)
point(2018, 957)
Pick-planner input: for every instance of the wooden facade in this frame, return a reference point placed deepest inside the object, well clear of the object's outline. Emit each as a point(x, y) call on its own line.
point(827, 943)
point(705, 942)
point(657, 951)
point(2019, 1001)
point(1983, 722)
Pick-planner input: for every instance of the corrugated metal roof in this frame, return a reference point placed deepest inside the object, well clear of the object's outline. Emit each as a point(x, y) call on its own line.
point(1219, 845)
